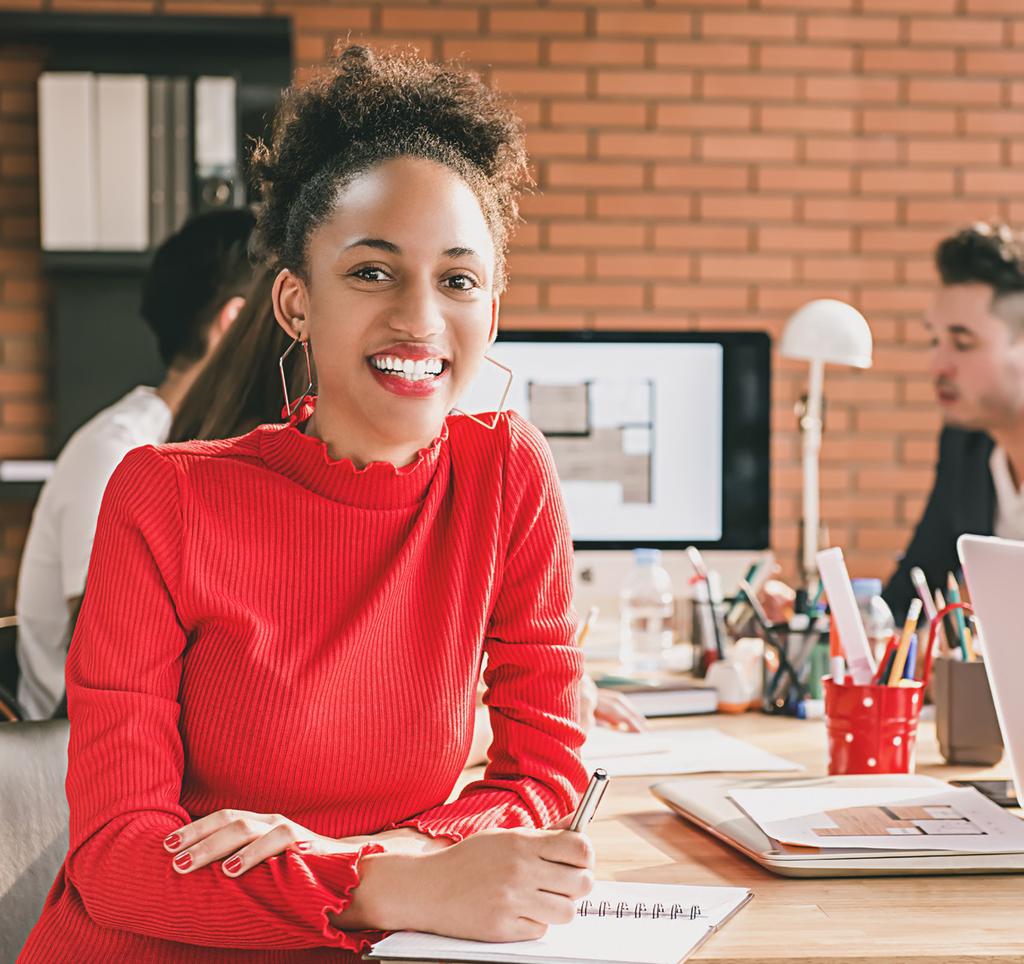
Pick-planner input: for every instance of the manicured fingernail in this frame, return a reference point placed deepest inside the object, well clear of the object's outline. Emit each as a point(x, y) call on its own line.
point(303, 846)
point(173, 842)
point(183, 861)
point(233, 865)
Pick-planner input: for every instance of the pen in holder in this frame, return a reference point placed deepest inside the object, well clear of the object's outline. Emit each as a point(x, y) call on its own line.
point(965, 716)
point(787, 667)
point(786, 664)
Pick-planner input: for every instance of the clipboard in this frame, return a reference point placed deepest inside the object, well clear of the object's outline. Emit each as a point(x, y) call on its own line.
point(706, 804)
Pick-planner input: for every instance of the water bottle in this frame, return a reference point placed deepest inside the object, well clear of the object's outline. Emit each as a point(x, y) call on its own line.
point(647, 611)
point(874, 613)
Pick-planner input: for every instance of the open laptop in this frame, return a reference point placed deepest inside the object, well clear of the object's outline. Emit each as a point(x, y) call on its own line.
point(994, 570)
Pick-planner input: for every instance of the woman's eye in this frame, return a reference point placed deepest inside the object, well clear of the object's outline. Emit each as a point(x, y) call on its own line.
point(461, 282)
point(370, 274)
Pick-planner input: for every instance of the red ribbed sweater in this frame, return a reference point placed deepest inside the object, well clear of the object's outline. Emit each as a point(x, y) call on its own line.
point(267, 629)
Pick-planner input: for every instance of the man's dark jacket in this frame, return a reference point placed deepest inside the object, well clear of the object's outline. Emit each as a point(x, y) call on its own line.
point(963, 500)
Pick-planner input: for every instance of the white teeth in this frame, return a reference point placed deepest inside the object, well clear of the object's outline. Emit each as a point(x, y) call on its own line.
point(414, 371)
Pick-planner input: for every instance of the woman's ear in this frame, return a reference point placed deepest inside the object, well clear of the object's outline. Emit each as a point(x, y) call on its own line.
point(290, 303)
point(495, 310)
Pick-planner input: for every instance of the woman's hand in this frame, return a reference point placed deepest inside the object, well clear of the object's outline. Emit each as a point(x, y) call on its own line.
point(607, 708)
point(243, 839)
point(497, 885)
point(617, 711)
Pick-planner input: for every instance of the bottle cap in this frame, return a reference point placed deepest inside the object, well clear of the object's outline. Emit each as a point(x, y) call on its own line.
point(647, 557)
point(866, 588)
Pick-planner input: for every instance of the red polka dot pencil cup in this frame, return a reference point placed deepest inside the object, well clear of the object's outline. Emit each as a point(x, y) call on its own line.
point(872, 729)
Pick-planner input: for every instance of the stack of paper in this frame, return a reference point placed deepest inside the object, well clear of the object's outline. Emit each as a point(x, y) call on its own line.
point(676, 751)
point(946, 820)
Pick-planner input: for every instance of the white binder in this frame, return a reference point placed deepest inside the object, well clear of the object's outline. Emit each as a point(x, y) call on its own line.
point(123, 169)
point(68, 200)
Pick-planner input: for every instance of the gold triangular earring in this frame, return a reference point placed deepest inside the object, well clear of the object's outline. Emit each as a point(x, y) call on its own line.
point(289, 405)
point(501, 404)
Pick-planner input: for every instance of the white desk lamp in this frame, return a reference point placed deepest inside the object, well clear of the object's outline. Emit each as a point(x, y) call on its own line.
point(822, 332)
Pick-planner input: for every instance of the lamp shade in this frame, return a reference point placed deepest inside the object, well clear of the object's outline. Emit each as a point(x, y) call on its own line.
point(829, 331)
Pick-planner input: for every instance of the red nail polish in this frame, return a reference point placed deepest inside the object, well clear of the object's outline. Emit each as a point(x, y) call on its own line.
point(183, 861)
point(233, 865)
point(303, 846)
point(173, 842)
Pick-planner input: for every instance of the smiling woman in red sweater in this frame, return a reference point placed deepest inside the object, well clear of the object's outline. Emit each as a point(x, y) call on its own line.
point(271, 685)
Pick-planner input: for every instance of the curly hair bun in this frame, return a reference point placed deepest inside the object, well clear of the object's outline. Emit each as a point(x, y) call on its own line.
point(365, 107)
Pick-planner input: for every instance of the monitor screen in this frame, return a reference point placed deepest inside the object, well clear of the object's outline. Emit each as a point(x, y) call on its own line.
point(659, 439)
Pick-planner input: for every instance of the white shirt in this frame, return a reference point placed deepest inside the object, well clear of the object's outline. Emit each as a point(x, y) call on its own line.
point(56, 556)
point(1009, 519)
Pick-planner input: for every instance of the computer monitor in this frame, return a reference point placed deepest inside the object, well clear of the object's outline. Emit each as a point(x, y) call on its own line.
point(660, 439)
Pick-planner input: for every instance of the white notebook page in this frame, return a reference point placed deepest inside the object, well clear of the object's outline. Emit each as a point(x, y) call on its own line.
point(622, 940)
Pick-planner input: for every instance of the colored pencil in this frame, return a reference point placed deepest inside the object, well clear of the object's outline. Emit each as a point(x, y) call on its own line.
point(885, 661)
point(953, 595)
point(581, 637)
point(917, 577)
point(900, 660)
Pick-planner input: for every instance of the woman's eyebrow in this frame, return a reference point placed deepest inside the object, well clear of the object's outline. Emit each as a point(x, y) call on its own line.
point(378, 243)
point(381, 245)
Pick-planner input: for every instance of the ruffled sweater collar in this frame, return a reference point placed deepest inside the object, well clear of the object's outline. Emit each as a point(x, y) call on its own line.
point(379, 485)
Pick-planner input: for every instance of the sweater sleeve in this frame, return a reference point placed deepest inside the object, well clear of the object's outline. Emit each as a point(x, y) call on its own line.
point(126, 759)
point(534, 775)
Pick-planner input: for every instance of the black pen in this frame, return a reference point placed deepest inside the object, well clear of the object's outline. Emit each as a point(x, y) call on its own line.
point(591, 798)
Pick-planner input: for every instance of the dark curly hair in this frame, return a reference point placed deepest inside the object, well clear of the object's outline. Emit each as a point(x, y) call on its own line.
point(984, 253)
point(363, 108)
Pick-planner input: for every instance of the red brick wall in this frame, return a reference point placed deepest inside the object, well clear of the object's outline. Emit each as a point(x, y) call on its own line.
point(702, 165)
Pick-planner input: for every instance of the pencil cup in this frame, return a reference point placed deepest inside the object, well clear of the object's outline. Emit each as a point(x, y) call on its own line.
point(965, 716)
point(871, 729)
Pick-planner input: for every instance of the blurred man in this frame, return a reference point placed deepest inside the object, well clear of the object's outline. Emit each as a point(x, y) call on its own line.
point(192, 292)
point(976, 321)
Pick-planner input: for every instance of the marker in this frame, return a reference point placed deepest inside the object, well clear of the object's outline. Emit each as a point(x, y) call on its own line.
point(591, 798)
point(846, 615)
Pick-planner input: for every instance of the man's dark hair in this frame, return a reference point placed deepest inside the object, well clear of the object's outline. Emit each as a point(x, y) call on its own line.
point(364, 108)
point(193, 273)
point(984, 253)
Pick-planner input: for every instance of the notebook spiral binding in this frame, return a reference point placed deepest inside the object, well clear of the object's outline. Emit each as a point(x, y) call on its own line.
point(624, 909)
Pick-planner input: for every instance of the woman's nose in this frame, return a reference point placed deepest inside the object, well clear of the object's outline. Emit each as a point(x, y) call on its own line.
point(417, 315)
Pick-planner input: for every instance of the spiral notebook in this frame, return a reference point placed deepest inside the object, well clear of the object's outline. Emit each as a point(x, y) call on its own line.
point(619, 923)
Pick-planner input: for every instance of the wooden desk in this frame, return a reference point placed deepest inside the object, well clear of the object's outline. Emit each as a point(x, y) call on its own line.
point(952, 920)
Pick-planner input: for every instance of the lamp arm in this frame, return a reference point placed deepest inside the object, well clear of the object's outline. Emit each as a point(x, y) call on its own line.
point(811, 426)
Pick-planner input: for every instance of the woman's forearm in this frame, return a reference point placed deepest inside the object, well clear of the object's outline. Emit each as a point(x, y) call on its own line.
point(384, 893)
